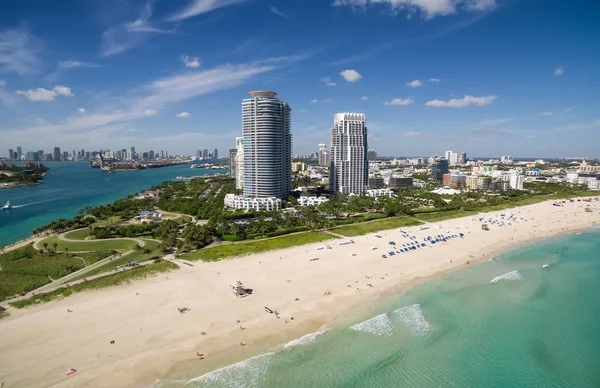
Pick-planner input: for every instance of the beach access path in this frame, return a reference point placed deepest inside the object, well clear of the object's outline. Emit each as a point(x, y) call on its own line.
point(153, 340)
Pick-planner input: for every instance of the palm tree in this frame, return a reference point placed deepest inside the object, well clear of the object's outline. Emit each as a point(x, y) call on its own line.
point(45, 247)
point(138, 248)
point(146, 252)
point(55, 245)
point(67, 251)
point(114, 252)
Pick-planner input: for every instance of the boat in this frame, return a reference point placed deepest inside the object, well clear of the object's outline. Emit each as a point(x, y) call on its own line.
point(546, 266)
point(268, 310)
point(6, 206)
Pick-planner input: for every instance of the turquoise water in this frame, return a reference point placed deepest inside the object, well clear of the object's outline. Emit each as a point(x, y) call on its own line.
point(530, 327)
point(71, 186)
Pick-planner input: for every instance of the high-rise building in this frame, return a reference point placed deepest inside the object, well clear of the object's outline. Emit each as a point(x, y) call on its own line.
point(448, 155)
point(232, 160)
point(151, 155)
point(349, 171)
point(205, 154)
point(132, 151)
point(239, 163)
point(506, 159)
point(32, 155)
point(463, 158)
point(56, 154)
point(216, 153)
point(267, 140)
point(19, 152)
point(323, 155)
point(439, 168)
point(11, 155)
point(198, 153)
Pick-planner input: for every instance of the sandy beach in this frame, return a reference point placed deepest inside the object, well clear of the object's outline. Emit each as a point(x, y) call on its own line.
point(153, 340)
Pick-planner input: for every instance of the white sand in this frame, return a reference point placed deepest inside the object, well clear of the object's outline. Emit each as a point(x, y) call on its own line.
point(153, 340)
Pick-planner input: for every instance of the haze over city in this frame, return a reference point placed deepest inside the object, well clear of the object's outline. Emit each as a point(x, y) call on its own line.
point(501, 76)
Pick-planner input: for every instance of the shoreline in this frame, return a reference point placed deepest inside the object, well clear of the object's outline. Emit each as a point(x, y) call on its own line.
point(149, 330)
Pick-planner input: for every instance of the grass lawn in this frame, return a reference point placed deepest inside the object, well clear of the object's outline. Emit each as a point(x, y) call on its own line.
point(135, 256)
point(25, 269)
point(231, 250)
point(368, 227)
point(87, 246)
point(107, 281)
point(444, 215)
point(78, 234)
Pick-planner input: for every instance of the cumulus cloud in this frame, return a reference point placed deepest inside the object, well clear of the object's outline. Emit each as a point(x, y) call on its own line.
point(327, 81)
point(434, 80)
point(150, 112)
point(559, 71)
point(41, 94)
point(462, 102)
point(191, 62)
point(183, 115)
point(414, 84)
point(427, 8)
point(81, 110)
point(547, 114)
point(351, 75)
point(199, 7)
point(399, 102)
point(412, 134)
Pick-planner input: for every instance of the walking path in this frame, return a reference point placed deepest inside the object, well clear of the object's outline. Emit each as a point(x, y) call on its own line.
point(63, 238)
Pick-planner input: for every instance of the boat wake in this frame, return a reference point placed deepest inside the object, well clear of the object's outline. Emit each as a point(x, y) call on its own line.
point(512, 275)
point(412, 317)
point(379, 325)
point(306, 339)
point(18, 206)
point(248, 373)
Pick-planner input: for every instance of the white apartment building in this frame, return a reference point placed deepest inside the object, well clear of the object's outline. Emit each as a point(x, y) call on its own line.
point(247, 203)
point(350, 168)
point(323, 155)
point(311, 201)
point(376, 193)
point(516, 181)
point(267, 139)
point(239, 163)
point(506, 159)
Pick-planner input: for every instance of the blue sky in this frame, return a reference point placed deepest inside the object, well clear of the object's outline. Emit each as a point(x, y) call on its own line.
point(488, 77)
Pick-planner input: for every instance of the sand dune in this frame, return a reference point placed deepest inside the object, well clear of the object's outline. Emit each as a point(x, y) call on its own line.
point(153, 340)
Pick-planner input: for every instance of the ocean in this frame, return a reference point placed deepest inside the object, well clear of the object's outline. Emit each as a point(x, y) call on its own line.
point(508, 322)
point(70, 186)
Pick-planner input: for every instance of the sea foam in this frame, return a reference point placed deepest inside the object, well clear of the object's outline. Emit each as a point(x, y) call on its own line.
point(512, 275)
point(306, 339)
point(379, 325)
point(247, 373)
point(412, 317)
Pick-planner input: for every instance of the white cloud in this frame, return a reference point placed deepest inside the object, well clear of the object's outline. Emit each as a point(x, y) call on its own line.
point(547, 114)
point(412, 134)
point(434, 80)
point(559, 71)
point(81, 110)
point(327, 81)
point(414, 84)
point(199, 7)
point(6, 98)
point(427, 8)
point(183, 115)
point(399, 102)
point(351, 75)
point(462, 102)
point(315, 101)
point(191, 62)
point(129, 35)
point(19, 52)
point(325, 101)
point(150, 112)
point(364, 98)
point(492, 122)
point(71, 64)
point(41, 94)
point(278, 12)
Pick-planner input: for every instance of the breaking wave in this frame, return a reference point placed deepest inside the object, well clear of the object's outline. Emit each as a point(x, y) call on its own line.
point(512, 275)
point(412, 317)
point(306, 339)
point(379, 325)
point(247, 373)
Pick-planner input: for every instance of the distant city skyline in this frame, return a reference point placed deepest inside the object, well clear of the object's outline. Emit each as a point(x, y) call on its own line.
point(481, 75)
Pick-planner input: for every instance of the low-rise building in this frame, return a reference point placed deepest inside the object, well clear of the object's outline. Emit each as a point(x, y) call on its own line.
point(298, 166)
point(376, 182)
point(400, 181)
point(149, 216)
point(376, 193)
point(247, 203)
point(311, 201)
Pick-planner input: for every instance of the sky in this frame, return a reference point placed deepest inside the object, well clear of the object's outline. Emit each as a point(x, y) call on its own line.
point(486, 77)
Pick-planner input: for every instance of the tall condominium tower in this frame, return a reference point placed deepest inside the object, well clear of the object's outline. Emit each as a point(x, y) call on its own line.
point(323, 155)
point(239, 163)
point(349, 170)
point(267, 140)
point(56, 154)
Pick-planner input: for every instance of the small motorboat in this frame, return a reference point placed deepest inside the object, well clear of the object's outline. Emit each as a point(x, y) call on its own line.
point(546, 266)
point(6, 206)
point(268, 310)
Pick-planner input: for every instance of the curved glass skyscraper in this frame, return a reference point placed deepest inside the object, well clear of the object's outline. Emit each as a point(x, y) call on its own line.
point(267, 145)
